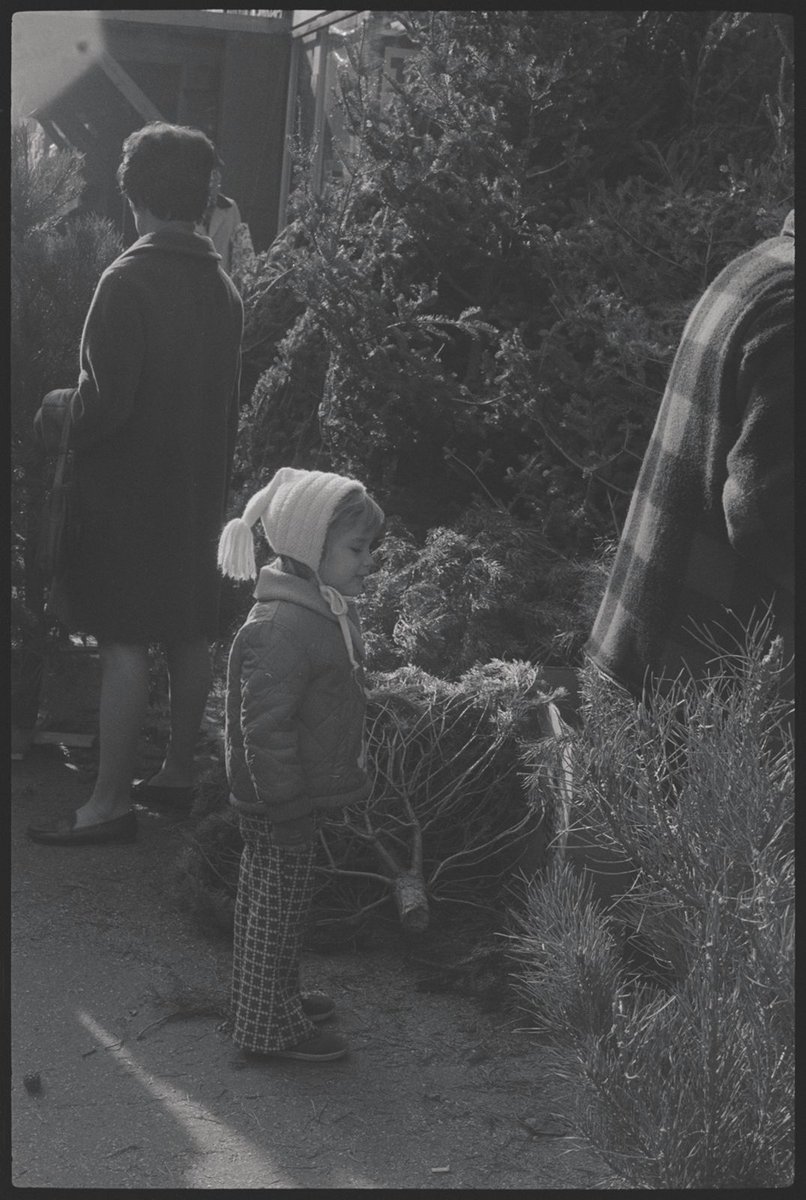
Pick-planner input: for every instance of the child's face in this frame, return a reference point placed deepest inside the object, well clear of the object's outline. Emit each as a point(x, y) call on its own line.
point(347, 560)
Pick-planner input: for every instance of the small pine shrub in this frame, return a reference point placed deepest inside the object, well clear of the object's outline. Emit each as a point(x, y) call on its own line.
point(488, 587)
point(688, 1081)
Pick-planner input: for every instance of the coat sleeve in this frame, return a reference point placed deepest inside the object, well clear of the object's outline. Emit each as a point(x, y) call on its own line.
point(112, 352)
point(758, 496)
point(274, 678)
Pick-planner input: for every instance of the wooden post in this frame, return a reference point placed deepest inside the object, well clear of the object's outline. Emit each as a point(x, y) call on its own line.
point(290, 124)
point(318, 164)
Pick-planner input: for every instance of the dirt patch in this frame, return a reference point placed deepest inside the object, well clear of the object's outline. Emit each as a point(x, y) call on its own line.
point(118, 1008)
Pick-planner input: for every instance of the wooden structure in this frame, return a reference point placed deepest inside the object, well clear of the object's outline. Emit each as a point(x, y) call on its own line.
point(224, 73)
point(256, 84)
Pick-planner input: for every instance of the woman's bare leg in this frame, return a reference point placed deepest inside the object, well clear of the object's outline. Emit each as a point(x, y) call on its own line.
point(190, 677)
point(123, 704)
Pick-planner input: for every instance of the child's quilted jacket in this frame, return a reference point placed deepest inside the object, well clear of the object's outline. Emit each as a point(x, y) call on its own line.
point(295, 704)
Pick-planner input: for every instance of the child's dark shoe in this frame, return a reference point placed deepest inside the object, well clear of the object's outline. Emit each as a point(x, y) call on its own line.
point(317, 1007)
point(320, 1047)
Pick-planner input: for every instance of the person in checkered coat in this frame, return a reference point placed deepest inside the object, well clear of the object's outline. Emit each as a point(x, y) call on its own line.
point(294, 737)
point(708, 543)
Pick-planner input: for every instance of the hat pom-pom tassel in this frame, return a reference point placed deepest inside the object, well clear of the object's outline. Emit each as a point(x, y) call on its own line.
point(236, 550)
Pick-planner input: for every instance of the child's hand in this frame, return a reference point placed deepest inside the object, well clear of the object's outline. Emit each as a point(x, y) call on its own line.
point(296, 834)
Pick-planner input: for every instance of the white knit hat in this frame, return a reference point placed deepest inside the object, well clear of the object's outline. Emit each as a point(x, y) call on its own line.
point(296, 508)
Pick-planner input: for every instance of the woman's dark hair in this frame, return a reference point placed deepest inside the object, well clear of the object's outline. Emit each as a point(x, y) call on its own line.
point(167, 169)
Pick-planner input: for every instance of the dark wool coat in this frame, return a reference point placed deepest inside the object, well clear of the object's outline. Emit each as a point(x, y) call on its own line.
point(709, 538)
point(295, 705)
point(154, 422)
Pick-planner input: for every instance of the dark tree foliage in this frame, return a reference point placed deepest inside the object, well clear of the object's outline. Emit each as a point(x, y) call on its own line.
point(56, 260)
point(485, 305)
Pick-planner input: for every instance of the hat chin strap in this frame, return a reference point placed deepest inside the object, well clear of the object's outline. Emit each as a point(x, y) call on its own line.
point(338, 606)
point(335, 601)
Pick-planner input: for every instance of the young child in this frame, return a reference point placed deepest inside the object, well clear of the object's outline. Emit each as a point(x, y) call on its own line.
point(294, 737)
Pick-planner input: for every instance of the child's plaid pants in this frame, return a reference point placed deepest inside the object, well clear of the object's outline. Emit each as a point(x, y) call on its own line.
point(275, 890)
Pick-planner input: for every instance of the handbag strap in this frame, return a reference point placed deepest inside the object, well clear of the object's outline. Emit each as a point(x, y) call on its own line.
point(64, 447)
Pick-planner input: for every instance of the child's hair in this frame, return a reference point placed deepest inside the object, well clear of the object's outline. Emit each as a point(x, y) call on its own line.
point(357, 509)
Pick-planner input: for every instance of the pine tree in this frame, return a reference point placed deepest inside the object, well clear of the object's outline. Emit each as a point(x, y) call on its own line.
point(494, 287)
point(484, 305)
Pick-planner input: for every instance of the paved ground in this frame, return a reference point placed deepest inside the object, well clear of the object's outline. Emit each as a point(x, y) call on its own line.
point(121, 1077)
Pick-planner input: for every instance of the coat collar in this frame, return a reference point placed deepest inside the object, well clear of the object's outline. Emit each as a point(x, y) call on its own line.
point(276, 584)
point(196, 245)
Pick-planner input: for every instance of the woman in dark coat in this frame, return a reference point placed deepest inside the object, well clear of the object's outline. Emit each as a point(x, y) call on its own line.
point(154, 421)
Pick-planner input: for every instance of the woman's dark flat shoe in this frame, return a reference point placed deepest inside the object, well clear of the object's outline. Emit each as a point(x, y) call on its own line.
point(65, 833)
point(169, 799)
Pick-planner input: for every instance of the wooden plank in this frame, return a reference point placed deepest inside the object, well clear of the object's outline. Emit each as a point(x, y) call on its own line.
point(199, 19)
point(126, 85)
point(288, 136)
point(318, 163)
point(253, 95)
point(327, 18)
point(76, 132)
point(53, 131)
point(164, 44)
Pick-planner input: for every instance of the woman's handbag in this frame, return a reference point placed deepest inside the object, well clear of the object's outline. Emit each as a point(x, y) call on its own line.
point(57, 523)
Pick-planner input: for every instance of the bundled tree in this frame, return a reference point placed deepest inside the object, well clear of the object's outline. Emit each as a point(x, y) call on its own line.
point(685, 1074)
point(56, 259)
point(447, 820)
point(447, 817)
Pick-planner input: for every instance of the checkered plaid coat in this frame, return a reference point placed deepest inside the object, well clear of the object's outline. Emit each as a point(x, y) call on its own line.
point(709, 536)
